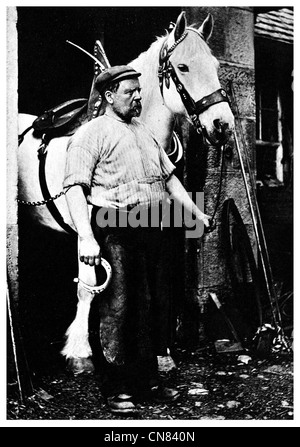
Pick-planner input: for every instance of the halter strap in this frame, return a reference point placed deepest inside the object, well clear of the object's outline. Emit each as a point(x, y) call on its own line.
point(209, 100)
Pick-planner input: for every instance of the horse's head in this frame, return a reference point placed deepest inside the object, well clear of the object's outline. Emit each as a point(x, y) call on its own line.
point(189, 81)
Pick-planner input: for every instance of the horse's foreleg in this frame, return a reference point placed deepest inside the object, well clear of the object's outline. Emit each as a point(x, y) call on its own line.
point(77, 349)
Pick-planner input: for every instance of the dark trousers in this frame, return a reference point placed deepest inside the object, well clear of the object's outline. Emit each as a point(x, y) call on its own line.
point(135, 308)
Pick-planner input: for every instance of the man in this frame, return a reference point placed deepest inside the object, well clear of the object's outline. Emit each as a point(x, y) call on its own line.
point(115, 163)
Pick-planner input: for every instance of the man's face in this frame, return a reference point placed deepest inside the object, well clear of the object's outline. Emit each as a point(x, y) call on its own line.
point(126, 101)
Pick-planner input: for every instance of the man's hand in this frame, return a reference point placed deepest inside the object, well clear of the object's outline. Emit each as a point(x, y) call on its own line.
point(177, 190)
point(89, 251)
point(205, 218)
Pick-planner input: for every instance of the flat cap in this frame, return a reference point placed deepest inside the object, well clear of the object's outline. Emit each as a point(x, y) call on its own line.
point(114, 74)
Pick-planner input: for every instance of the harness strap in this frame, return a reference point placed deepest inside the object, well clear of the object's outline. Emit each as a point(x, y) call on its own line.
point(209, 100)
point(164, 67)
point(187, 100)
point(196, 108)
point(42, 154)
point(22, 135)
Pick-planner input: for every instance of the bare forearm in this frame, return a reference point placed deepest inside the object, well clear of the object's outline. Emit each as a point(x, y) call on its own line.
point(79, 211)
point(177, 190)
point(88, 247)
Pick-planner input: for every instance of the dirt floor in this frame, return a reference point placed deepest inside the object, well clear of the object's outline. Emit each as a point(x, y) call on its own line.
point(213, 385)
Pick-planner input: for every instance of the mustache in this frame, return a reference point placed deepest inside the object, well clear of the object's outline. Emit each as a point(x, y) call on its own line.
point(137, 107)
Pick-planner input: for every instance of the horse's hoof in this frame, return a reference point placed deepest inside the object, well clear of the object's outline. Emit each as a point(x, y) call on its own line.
point(79, 366)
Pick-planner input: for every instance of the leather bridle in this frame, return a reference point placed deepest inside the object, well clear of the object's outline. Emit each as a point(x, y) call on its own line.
point(166, 71)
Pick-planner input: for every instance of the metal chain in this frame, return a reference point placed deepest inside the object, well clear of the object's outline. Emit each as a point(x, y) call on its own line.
point(42, 150)
point(43, 202)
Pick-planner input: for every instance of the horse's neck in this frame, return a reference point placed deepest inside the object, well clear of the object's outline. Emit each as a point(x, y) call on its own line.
point(154, 113)
point(160, 120)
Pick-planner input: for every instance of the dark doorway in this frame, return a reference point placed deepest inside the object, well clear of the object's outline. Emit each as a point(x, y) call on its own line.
point(52, 71)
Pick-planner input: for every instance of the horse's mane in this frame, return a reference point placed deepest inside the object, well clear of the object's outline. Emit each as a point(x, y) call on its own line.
point(147, 64)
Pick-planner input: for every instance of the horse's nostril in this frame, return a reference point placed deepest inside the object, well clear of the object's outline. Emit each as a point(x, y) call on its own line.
point(217, 124)
point(220, 126)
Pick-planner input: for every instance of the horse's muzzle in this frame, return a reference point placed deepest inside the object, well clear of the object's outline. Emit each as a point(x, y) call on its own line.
point(219, 135)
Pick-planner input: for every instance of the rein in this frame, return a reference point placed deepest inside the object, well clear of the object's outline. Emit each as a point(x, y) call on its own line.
point(193, 108)
point(212, 220)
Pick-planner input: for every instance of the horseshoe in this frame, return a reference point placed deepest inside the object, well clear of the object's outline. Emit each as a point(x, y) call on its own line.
point(98, 289)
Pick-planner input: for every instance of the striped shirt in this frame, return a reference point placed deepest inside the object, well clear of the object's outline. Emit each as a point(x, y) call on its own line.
point(117, 164)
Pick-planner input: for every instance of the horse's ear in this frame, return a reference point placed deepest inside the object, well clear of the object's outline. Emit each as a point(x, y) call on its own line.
point(207, 27)
point(180, 26)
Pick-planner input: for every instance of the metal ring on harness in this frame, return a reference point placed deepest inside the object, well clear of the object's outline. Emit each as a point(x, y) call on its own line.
point(97, 289)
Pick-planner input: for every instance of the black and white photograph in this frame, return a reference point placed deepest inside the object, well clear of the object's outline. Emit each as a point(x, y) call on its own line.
point(149, 218)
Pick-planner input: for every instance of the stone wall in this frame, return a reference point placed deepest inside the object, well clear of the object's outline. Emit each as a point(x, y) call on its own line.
point(12, 233)
point(11, 156)
point(232, 43)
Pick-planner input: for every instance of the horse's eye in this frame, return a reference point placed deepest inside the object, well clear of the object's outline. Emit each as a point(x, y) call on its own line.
point(183, 68)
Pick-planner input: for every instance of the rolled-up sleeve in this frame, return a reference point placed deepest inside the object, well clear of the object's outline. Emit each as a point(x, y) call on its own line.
point(167, 166)
point(82, 156)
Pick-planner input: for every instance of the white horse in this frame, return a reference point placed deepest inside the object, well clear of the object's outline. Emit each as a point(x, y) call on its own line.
point(187, 86)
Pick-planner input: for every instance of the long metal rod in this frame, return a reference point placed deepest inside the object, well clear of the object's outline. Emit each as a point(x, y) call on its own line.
point(13, 341)
point(252, 180)
point(251, 176)
point(88, 54)
point(271, 298)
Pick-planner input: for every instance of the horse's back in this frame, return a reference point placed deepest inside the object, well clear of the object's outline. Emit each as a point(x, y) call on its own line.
point(29, 189)
point(24, 121)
